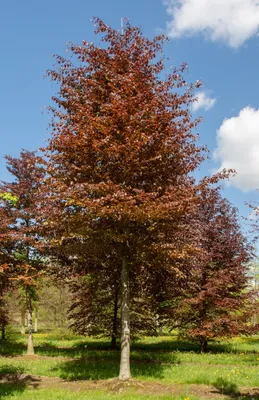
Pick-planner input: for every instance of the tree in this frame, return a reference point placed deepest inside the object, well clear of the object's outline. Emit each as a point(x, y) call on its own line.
point(253, 273)
point(5, 287)
point(7, 263)
point(20, 227)
point(218, 304)
point(96, 306)
point(120, 158)
point(55, 298)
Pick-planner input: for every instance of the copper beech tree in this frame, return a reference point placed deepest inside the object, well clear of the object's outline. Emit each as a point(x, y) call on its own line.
point(20, 230)
point(220, 302)
point(6, 268)
point(96, 305)
point(120, 158)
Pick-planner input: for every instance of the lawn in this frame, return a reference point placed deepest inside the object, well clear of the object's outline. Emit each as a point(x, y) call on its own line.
point(74, 367)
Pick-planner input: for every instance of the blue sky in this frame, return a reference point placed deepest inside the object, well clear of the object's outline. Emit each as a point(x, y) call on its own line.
point(219, 42)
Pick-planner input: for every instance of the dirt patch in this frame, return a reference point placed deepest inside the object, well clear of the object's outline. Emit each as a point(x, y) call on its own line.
point(132, 386)
point(21, 379)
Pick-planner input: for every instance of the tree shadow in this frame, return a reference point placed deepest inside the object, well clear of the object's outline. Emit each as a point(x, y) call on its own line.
point(51, 350)
point(85, 369)
point(247, 396)
point(224, 386)
point(97, 368)
point(11, 347)
point(79, 350)
point(13, 381)
point(186, 346)
point(230, 390)
point(180, 345)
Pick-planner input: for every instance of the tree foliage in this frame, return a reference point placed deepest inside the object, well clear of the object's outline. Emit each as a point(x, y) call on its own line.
point(121, 155)
point(114, 206)
point(20, 228)
point(219, 304)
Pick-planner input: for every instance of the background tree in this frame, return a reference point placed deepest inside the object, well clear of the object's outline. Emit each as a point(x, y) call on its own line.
point(17, 306)
point(55, 298)
point(7, 261)
point(96, 307)
point(253, 273)
point(21, 230)
point(5, 287)
point(218, 304)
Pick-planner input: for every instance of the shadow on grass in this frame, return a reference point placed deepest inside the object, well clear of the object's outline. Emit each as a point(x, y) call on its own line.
point(13, 381)
point(230, 390)
point(181, 345)
point(247, 396)
point(84, 369)
point(89, 348)
point(11, 347)
point(225, 386)
point(102, 368)
point(85, 348)
point(78, 350)
point(175, 344)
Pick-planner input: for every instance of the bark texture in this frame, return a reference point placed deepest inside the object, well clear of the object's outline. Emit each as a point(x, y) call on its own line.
point(36, 319)
point(204, 344)
point(30, 347)
point(125, 322)
point(114, 326)
point(23, 313)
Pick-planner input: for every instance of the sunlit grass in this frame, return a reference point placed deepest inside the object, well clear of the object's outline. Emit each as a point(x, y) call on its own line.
point(231, 364)
point(57, 394)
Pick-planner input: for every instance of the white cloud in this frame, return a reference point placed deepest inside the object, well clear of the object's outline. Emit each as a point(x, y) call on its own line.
point(238, 148)
point(203, 101)
point(229, 21)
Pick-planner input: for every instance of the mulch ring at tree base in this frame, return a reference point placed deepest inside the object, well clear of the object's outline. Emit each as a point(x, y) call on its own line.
point(131, 386)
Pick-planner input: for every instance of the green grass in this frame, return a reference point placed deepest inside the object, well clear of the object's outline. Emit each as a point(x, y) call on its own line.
point(56, 394)
point(105, 368)
point(227, 367)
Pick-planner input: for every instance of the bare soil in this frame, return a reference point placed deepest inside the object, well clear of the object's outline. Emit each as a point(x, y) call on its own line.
point(131, 386)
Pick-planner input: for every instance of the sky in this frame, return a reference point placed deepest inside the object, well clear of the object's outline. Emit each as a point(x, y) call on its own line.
point(218, 39)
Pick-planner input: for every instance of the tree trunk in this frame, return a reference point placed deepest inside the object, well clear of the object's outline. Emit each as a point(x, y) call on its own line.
point(159, 326)
point(204, 344)
point(23, 312)
point(55, 318)
point(36, 320)
point(115, 315)
point(113, 343)
point(30, 347)
point(255, 319)
point(125, 322)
